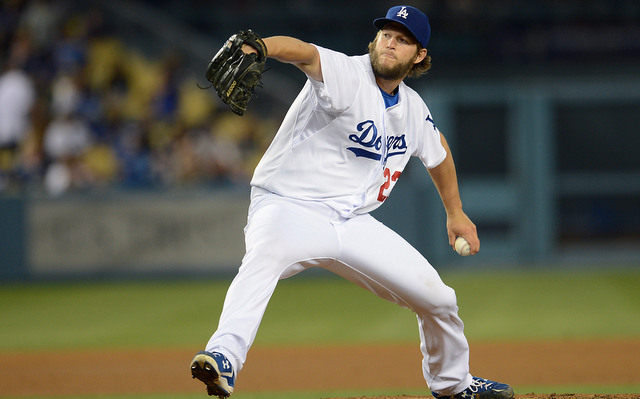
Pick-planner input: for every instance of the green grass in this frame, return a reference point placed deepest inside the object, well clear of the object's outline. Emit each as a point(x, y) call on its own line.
point(102, 315)
point(505, 306)
point(550, 305)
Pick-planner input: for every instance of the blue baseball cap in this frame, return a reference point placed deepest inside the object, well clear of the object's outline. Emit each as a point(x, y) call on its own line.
point(412, 18)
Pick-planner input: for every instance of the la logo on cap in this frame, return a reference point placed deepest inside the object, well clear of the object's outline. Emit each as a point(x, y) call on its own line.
point(403, 13)
point(413, 19)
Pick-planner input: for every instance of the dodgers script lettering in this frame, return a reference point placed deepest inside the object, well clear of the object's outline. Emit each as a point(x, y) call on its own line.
point(369, 139)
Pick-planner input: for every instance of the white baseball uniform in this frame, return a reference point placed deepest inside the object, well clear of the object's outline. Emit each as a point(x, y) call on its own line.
point(335, 158)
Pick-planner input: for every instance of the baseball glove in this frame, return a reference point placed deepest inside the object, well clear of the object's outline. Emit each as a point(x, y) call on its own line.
point(235, 74)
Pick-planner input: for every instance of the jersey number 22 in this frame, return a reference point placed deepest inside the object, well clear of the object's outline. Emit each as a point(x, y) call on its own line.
point(385, 186)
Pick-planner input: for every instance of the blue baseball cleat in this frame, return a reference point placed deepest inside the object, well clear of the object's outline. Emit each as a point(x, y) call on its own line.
point(482, 389)
point(215, 370)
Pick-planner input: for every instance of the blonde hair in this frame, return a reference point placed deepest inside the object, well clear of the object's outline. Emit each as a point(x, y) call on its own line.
point(421, 67)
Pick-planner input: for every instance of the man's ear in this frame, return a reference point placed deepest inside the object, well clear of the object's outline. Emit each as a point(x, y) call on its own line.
point(420, 56)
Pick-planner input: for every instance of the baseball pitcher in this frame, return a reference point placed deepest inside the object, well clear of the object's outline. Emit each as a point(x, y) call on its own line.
point(340, 150)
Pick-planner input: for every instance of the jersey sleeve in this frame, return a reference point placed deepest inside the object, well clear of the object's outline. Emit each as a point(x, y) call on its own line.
point(431, 152)
point(341, 80)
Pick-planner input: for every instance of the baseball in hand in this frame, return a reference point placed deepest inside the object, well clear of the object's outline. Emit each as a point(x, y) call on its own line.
point(462, 246)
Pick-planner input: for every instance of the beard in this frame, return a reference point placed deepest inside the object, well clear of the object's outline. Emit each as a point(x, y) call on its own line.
point(397, 71)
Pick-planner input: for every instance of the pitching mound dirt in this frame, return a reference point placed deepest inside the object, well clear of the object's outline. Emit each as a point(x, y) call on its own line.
point(527, 396)
point(367, 367)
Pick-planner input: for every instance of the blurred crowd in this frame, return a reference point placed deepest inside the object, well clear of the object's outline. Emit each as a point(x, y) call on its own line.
point(80, 111)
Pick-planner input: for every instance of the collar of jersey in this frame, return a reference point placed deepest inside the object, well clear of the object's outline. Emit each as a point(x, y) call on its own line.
point(389, 99)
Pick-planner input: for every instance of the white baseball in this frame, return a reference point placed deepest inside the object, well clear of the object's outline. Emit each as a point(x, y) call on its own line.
point(462, 246)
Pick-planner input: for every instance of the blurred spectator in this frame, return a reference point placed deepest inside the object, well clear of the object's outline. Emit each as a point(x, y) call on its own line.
point(134, 156)
point(30, 163)
point(166, 99)
point(69, 52)
point(41, 18)
point(66, 141)
point(10, 11)
point(65, 95)
point(17, 96)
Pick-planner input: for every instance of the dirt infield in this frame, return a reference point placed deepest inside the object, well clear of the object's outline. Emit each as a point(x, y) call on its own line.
point(322, 368)
point(527, 396)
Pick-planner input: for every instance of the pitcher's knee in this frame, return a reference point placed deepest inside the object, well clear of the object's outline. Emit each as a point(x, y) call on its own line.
point(438, 300)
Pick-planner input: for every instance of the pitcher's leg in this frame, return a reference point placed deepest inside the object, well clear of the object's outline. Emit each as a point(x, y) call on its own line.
point(445, 351)
point(378, 259)
point(244, 306)
point(281, 237)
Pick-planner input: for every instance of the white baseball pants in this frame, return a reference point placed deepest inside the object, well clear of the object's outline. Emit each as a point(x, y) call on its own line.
point(285, 236)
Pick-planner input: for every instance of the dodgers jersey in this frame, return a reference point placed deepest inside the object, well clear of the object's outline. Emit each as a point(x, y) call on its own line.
point(339, 144)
